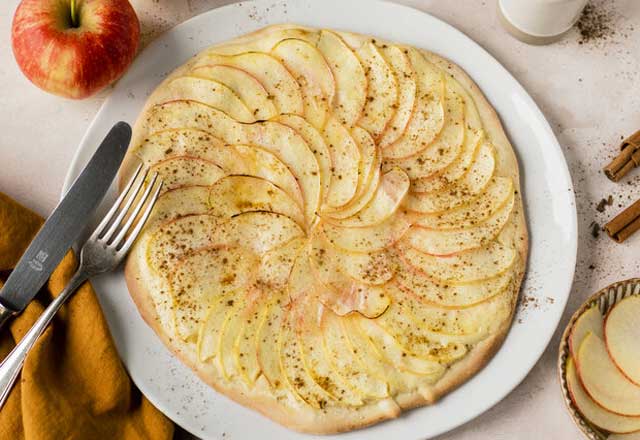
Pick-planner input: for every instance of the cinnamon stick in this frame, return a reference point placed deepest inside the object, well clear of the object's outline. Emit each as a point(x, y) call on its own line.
point(628, 158)
point(624, 224)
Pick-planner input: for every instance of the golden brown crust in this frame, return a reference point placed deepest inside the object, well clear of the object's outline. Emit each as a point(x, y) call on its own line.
point(333, 420)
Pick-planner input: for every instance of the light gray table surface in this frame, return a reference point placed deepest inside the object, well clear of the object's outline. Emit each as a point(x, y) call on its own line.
point(589, 92)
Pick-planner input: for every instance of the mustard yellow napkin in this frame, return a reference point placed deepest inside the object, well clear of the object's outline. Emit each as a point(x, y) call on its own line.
point(73, 385)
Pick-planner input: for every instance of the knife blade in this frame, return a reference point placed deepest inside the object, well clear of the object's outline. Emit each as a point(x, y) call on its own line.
point(65, 224)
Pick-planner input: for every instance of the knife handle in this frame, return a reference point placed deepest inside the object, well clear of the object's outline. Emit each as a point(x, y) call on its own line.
point(5, 314)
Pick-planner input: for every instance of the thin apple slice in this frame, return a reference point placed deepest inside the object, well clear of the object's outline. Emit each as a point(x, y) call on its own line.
point(294, 152)
point(313, 74)
point(209, 330)
point(461, 192)
point(369, 239)
point(277, 263)
point(259, 231)
point(186, 142)
point(233, 195)
point(173, 239)
point(464, 267)
point(603, 381)
point(622, 335)
point(315, 361)
point(245, 349)
point(267, 340)
point(274, 77)
point(209, 92)
point(374, 268)
point(232, 325)
point(393, 187)
point(593, 412)
point(177, 203)
point(448, 242)
point(429, 115)
point(591, 321)
point(411, 335)
point(278, 139)
point(388, 348)
point(349, 76)
point(184, 114)
point(444, 149)
point(266, 165)
point(382, 90)
point(362, 197)
point(495, 195)
point(445, 295)
point(245, 86)
point(316, 143)
point(406, 78)
point(186, 171)
point(203, 275)
point(368, 172)
point(292, 365)
point(345, 160)
point(452, 327)
point(345, 362)
point(268, 39)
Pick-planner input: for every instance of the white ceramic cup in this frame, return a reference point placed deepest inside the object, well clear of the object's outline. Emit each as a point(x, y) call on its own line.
point(542, 20)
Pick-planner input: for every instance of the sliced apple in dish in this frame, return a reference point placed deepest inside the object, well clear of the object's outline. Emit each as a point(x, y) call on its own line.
point(274, 77)
point(267, 354)
point(590, 321)
point(177, 203)
point(349, 75)
point(602, 380)
point(250, 91)
point(593, 412)
point(246, 345)
point(209, 329)
point(622, 336)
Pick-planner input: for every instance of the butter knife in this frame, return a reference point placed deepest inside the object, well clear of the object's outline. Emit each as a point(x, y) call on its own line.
point(65, 224)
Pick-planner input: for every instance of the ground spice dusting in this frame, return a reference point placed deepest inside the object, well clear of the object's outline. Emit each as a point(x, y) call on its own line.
point(596, 22)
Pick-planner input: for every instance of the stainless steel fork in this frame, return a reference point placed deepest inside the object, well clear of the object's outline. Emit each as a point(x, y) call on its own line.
point(102, 252)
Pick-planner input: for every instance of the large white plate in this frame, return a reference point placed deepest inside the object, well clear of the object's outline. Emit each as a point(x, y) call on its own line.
point(548, 195)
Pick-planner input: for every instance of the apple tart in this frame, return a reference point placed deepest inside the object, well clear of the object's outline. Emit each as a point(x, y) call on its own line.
point(340, 235)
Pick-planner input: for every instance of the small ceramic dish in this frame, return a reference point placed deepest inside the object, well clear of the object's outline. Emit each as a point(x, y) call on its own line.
point(605, 299)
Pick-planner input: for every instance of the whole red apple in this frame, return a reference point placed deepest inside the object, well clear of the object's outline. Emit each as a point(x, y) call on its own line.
point(74, 48)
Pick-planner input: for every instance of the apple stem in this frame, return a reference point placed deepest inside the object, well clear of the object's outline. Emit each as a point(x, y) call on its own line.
point(74, 14)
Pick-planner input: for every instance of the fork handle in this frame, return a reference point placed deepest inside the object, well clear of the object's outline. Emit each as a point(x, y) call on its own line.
point(11, 366)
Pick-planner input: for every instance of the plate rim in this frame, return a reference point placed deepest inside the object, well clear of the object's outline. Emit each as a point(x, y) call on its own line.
point(529, 102)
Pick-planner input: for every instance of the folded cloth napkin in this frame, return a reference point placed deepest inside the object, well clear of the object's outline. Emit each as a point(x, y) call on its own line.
point(73, 384)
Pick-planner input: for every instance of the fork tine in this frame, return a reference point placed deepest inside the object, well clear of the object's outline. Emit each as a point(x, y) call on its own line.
point(143, 219)
point(134, 214)
point(107, 236)
point(98, 232)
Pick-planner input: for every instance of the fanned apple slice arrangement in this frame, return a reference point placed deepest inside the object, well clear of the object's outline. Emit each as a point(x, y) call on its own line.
point(603, 370)
point(340, 235)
